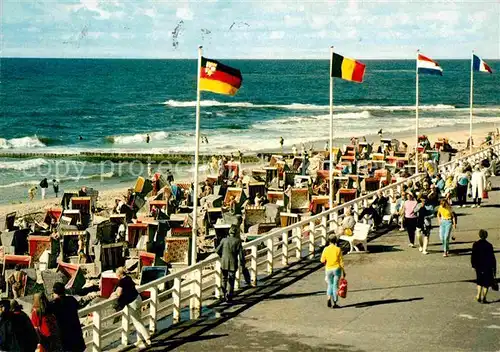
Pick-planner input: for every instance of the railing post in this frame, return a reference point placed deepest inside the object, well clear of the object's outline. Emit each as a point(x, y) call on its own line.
point(298, 242)
point(365, 205)
point(312, 237)
point(356, 211)
point(125, 325)
point(218, 279)
point(96, 331)
point(324, 220)
point(336, 220)
point(176, 300)
point(284, 249)
point(253, 264)
point(153, 309)
point(270, 255)
point(195, 302)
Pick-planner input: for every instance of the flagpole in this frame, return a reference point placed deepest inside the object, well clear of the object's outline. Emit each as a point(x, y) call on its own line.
point(194, 246)
point(471, 98)
point(416, 116)
point(330, 201)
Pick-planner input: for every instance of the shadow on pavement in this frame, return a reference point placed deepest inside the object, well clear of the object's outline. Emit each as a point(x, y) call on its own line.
point(295, 295)
point(220, 312)
point(414, 285)
point(379, 248)
point(382, 301)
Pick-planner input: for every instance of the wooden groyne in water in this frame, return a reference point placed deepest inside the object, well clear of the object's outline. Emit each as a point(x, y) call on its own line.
point(120, 157)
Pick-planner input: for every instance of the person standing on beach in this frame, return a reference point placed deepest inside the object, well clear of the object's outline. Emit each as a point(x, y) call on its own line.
point(44, 184)
point(32, 192)
point(484, 262)
point(281, 144)
point(55, 186)
point(148, 138)
point(334, 270)
point(446, 220)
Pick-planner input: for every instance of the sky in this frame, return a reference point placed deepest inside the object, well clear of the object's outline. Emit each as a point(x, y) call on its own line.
point(240, 29)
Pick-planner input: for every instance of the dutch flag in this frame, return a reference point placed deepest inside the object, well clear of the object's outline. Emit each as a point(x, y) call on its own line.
point(479, 65)
point(428, 66)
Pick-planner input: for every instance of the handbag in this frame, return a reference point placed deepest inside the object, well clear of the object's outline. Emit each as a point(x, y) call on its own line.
point(485, 194)
point(494, 285)
point(342, 292)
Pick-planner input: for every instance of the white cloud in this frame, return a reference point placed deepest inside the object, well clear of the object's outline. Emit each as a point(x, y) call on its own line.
point(184, 13)
point(292, 21)
point(277, 35)
point(150, 12)
point(33, 29)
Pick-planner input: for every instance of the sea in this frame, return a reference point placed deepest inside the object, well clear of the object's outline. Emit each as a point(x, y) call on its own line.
point(72, 105)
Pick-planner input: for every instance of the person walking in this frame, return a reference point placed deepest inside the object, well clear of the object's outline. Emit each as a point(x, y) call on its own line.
point(424, 212)
point(65, 309)
point(446, 220)
point(478, 184)
point(45, 323)
point(32, 193)
point(230, 251)
point(484, 262)
point(334, 270)
point(55, 186)
point(22, 328)
point(44, 184)
point(129, 297)
point(462, 180)
point(410, 218)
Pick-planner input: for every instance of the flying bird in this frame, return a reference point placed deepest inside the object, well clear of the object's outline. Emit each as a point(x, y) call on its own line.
point(238, 25)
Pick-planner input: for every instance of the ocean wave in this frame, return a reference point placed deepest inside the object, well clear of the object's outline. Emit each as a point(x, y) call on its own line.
point(21, 184)
point(314, 119)
point(88, 177)
point(23, 142)
point(22, 164)
point(137, 138)
point(300, 106)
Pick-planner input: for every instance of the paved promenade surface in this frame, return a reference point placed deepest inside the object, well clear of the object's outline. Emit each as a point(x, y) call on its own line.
point(398, 300)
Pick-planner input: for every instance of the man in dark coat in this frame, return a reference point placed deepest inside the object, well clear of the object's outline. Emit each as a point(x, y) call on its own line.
point(22, 328)
point(65, 309)
point(8, 341)
point(484, 262)
point(231, 252)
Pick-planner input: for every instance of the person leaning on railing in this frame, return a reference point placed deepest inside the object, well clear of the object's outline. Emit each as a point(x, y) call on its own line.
point(334, 270)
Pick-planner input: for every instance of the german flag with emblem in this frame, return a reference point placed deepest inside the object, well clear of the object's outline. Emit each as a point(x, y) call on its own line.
point(219, 78)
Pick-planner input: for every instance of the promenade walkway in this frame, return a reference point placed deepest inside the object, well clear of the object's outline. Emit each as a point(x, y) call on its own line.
point(398, 300)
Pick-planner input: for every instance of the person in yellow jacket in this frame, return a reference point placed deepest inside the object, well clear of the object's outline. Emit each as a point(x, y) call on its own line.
point(334, 270)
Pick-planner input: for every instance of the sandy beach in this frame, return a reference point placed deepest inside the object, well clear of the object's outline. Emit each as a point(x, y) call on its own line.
point(456, 135)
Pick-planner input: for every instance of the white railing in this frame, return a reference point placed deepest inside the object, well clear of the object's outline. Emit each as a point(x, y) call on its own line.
point(472, 158)
point(201, 283)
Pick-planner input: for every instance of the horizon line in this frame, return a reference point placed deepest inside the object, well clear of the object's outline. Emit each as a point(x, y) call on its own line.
point(218, 58)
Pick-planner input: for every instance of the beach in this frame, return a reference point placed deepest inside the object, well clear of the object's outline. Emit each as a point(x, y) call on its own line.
point(107, 195)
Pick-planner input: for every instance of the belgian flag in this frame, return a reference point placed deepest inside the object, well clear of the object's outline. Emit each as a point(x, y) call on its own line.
point(219, 78)
point(348, 69)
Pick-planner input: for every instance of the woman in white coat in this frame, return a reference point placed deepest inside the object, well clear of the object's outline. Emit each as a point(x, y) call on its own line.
point(478, 185)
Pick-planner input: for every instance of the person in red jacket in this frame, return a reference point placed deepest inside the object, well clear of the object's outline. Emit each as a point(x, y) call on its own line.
point(45, 324)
